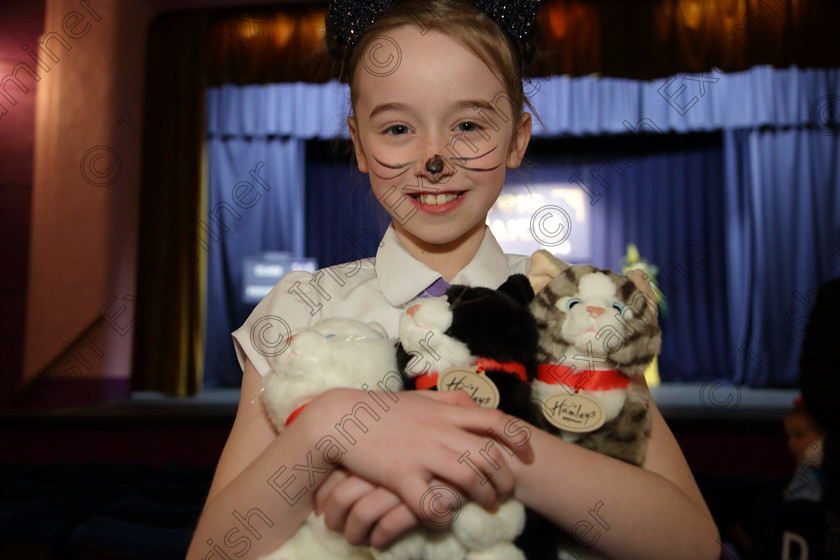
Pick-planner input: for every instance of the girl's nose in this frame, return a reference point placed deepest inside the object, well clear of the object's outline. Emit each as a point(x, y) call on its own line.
point(594, 312)
point(435, 164)
point(435, 168)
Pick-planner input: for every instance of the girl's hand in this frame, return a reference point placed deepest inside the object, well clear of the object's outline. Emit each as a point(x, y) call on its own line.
point(367, 515)
point(421, 437)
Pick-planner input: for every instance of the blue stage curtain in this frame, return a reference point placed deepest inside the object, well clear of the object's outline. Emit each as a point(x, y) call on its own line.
point(760, 96)
point(743, 230)
point(665, 194)
point(344, 222)
point(254, 204)
point(298, 110)
point(783, 242)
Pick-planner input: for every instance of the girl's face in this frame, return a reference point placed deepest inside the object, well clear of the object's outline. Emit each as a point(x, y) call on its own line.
point(800, 435)
point(424, 95)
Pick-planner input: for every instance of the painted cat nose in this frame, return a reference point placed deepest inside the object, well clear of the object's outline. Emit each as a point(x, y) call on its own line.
point(434, 164)
point(413, 309)
point(594, 312)
point(434, 169)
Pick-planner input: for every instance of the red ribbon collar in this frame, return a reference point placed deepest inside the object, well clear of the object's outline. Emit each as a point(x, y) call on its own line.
point(429, 380)
point(590, 380)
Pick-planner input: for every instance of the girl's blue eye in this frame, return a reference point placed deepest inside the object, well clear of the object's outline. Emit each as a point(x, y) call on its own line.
point(468, 126)
point(572, 302)
point(618, 307)
point(397, 129)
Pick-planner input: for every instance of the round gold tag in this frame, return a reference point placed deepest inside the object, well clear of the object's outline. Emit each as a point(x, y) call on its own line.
point(574, 413)
point(477, 385)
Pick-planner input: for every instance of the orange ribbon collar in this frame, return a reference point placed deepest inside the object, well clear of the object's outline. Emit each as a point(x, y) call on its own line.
point(429, 380)
point(588, 379)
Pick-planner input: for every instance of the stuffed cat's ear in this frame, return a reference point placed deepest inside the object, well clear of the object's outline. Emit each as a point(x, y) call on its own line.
point(518, 286)
point(639, 279)
point(544, 267)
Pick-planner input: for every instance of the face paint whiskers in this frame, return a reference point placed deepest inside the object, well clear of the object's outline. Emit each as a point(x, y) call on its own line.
point(461, 162)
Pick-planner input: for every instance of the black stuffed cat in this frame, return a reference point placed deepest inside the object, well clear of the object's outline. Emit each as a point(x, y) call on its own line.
point(477, 327)
point(476, 332)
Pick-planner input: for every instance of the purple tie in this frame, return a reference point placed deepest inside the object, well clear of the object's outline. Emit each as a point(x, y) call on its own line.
point(437, 288)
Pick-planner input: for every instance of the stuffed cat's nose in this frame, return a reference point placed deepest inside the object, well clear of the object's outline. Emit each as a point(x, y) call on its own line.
point(594, 312)
point(413, 309)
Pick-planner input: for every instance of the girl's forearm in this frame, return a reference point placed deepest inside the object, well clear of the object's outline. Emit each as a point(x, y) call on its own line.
point(619, 509)
point(265, 504)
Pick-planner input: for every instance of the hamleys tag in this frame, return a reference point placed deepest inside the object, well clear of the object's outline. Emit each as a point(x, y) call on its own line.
point(477, 385)
point(574, 412)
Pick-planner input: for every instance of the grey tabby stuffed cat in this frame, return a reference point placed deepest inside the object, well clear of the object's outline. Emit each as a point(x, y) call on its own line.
point(598, 333)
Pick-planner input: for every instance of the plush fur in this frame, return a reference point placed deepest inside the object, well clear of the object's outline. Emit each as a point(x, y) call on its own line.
point(333, 353)
point(590, 316)
point(625, 335)
point(342, 352)
point(472, 322)
point(455, 330)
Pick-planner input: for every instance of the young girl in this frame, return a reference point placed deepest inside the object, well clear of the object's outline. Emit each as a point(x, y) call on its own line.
point(805, 441)
point(437, 100)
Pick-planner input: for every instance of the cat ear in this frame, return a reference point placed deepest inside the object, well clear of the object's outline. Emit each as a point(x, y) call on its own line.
point(544, 267)
point(639, 279)
point(518, 287)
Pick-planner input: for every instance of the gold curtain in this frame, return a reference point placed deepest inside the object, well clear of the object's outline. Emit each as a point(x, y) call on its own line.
point(643, 39)
point(168, 346)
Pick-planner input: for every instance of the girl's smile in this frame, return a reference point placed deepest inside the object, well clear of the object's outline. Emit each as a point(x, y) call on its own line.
point(437, 202)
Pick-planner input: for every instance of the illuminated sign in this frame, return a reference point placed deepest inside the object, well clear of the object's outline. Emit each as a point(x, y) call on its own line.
point(551, 216)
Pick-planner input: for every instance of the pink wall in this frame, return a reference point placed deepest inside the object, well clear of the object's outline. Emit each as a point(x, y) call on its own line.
point(85, 187)
point(21, 23)
point(70, 157)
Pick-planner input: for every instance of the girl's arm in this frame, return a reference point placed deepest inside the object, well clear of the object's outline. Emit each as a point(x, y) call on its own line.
point(619, 509)
point(245, 513)
point(263, 487)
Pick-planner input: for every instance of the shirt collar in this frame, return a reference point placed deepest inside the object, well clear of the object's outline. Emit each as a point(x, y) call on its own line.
point(402, 277)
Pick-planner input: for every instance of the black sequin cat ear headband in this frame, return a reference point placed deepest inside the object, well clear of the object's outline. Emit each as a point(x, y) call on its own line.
point(351, 18)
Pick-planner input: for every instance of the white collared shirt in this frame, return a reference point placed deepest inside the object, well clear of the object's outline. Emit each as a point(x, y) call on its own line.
point(368, 290)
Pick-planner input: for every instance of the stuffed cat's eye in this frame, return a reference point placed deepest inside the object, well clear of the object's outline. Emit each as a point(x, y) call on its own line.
point(572, 302)
point(618, 307)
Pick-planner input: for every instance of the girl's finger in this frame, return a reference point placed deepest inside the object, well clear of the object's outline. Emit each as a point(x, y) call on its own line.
point(326, 488)
point(366, 513)
point(392, 525)
point(513, 433)
point(451, 397)
point(342, 499)
point(493, 425)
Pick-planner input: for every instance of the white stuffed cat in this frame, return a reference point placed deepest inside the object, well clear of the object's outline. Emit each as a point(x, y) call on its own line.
point(346, 353)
